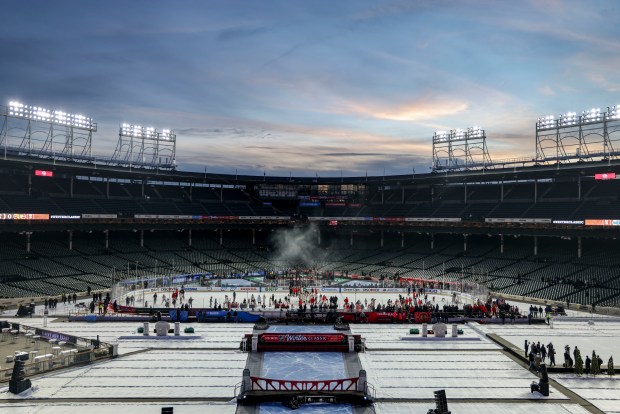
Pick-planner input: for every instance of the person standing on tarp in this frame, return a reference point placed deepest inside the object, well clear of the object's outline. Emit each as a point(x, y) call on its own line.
point(551, 353)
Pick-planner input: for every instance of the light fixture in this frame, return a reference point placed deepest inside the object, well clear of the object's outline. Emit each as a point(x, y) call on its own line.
point(592, 115)
point(475, 132)
point(36, 113)
point(546, 122)
point(568, 119)
point(441, 136)
point(139, 131)
point(613, 112)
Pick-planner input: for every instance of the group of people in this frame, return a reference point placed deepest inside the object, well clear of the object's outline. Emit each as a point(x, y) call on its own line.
point(537, 355)
point(176, 296)
point(570, 362)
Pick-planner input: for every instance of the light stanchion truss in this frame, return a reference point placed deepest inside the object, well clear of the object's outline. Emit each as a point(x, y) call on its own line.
point(460, 149)
point(591, 136)
point(145, 147)
point(41, 132)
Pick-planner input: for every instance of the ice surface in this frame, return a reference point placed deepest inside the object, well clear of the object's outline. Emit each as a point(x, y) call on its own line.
point(302, 329)
point(277, 408)
point(299, 366)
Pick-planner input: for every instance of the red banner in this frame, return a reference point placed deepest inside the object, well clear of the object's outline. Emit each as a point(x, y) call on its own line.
point(422, 317)
point(302, 338)
point(43, 173)
point(605, 176)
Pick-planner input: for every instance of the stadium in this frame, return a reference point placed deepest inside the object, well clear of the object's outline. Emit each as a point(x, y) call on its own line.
point(530, 231)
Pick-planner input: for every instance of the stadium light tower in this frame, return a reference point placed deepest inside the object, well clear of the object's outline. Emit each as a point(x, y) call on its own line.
point(145, 147)
point(460, 149)
point(587, 137)
point(42, 132)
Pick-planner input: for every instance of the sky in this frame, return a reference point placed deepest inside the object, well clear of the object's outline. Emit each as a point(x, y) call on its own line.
point(295, 87)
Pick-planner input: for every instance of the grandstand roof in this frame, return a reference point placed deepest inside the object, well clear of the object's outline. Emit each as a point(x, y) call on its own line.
point(529, 172)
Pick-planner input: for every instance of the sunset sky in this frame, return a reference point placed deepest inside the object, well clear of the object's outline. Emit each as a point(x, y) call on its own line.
point(313, 87)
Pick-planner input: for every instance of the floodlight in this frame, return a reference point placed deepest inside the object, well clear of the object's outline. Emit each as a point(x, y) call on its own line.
point(613, 112)
point(138, 131)
point(546, 122)
point(592, 115)
point(568, 119)
point(441, 136)
point(37, 113)
point(458, 134)
point(475, 132)
point(166, 134)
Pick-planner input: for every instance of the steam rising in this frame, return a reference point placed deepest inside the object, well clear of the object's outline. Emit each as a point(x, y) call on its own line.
point(298, 247)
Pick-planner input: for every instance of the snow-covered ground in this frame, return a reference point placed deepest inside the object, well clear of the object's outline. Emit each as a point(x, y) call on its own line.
point(575, 329)
point(185, 373)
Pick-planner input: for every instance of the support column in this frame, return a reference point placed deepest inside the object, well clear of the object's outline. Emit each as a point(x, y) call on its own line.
point(191, 186)
point(143, 184)
point(253, 237)
point(107, 238)
point(464, 242)
point(579, 187)
point(535, 245)
point(535, 191)
point(189, 237)
point(403, 197)
point(382, 238)
point(28, 234)
point(107, 189)
point(318, 232)
point(465, 192)
point(402, 239)
point(141, 238)
point(29, 185)
point(222, 237)
point(501, 243)
point(351, 241)
point(579, 247)
point(71, 187)
point(70, 239)
point(501, 192)
point(432, 241)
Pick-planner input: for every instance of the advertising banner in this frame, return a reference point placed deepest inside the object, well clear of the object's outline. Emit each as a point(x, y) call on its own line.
point(303, 338)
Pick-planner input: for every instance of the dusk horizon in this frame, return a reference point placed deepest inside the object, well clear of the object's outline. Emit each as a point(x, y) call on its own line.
point(313, 88)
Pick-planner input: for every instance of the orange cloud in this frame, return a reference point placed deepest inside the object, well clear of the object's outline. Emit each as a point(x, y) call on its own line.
point(424, 109)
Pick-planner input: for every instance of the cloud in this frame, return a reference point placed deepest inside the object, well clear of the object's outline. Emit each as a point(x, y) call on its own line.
point(547, 90)
point(297, 47)
point(423, 109)
point(239, 32)
point(356, 154)
point(386, 9)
